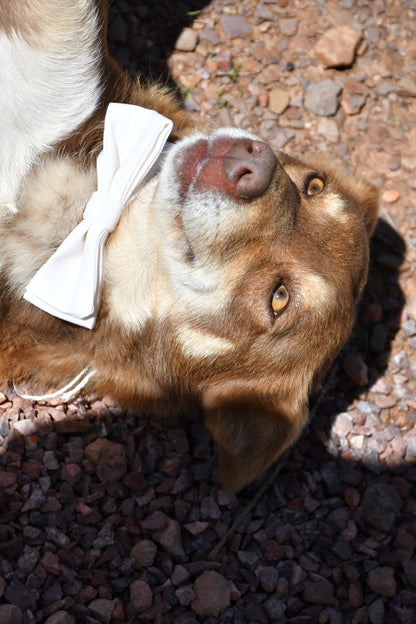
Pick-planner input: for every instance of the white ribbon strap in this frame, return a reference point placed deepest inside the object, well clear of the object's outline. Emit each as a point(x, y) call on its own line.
point(69, 284)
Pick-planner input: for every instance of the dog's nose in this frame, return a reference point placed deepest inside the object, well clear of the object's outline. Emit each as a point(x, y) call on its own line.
point(248, 167)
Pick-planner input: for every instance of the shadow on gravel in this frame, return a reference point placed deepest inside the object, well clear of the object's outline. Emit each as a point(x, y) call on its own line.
point(143, 41)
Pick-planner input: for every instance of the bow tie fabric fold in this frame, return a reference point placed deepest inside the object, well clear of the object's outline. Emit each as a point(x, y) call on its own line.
point(69, 284)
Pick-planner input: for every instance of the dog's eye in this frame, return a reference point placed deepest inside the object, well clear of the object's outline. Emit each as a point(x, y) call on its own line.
point(280, 299)
point(314, 185)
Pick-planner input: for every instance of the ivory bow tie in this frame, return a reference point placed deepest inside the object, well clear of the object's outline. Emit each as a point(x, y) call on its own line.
point(69, 284)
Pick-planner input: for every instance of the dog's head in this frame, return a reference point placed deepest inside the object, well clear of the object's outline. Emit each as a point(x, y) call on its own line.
point(266, 257)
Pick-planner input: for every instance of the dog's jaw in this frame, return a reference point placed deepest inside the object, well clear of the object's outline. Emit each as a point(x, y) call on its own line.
point(135, 286)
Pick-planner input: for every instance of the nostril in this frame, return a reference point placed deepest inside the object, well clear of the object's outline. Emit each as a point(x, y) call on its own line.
point(250, 165)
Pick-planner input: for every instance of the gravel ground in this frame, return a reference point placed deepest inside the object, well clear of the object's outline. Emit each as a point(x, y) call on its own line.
point(107, 517)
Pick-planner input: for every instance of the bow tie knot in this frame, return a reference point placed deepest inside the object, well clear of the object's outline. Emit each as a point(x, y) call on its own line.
point(69, 284)
point(103, 210)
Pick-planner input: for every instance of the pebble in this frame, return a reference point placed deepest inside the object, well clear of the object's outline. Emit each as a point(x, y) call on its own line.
point(376, 612)
point(320, 592)
point(279, 100)
point(390, 196)
point(171, 540)
point(187, 40)
point(10, 614)
point(143, 554)
point(102, 609)
point(288, 26)
point(328, 128)
point(323, 97)
point(381, 581)
point(235, 26)
point(356, 369)
point(140, 595)
point(213, 594)
point(381, 505)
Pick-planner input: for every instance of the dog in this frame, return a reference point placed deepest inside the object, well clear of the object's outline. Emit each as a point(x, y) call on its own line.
point(230, 280)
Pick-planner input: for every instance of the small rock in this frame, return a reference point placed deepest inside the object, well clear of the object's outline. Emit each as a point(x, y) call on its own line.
point(376, 612)
point(275, 608)
point(170, 539)
point(224, 61)
point(381, 505)
point(337, 46)
point(235, 25)
point(187, 40)
point(210, 509)
point(72, 473)
point(49, 460)
point(185, 595)
point(328, 128)
point(60, 617)
point(36, 499)
point(102, 609)
point(179, 575)
point(406, 88)
point(25, 427)
point(7, 479)
point(156, 521)
point(143, 553)
point(109, 457)
point(10, 614)
point(381, 581)
point(390, 196)
point(248, 558)
point(354, 96)
point(279, 100)
point(213, 594)
point(319, 592)
point(21, 596)
point(323, 97)
point(51, 563)
point(343, 424)
point(268, 577)
point(355, 368)
point(288, 26)
point(140, 596)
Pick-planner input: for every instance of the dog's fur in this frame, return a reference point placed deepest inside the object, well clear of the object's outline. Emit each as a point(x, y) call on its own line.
point(190, 270)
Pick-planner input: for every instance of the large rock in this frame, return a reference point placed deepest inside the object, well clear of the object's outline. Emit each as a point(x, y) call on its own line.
point(337, 47)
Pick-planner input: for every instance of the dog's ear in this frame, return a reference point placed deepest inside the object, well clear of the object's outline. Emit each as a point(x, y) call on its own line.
point(251, 429)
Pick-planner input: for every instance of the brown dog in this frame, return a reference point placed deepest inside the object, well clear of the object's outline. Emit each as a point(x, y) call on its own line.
point(232, 276)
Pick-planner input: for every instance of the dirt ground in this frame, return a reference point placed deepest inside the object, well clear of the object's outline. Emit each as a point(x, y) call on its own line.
point(108, 517)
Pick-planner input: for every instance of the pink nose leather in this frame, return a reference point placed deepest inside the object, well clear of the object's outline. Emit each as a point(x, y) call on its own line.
point(241, 168)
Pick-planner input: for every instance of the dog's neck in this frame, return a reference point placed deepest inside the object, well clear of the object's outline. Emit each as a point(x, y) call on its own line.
point(134, 284)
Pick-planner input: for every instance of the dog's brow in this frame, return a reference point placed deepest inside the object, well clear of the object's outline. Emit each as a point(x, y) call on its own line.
point(334, 206)
point(199, 344)
point(316, 291)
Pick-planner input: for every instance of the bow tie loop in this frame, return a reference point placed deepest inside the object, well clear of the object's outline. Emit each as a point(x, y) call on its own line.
point(69, 284)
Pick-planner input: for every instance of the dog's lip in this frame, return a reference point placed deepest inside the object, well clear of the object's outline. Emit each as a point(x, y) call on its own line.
point(193, 158)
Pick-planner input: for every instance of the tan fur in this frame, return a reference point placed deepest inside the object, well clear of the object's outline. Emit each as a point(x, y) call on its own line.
point(189, 275)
